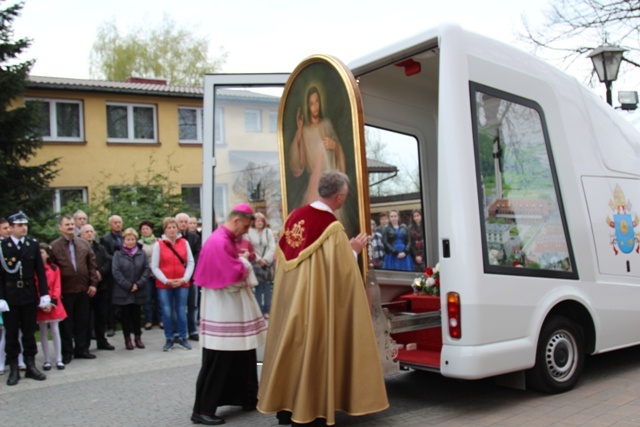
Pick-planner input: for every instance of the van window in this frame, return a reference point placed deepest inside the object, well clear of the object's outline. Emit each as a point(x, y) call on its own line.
point(395, 192)
point(524, 227)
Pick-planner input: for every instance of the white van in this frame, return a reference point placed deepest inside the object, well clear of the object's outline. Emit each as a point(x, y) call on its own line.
point(526, 182)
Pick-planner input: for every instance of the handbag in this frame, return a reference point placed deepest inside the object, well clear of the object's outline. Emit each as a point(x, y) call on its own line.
point(266, 273)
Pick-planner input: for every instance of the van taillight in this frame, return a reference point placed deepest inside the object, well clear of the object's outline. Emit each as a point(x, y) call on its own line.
point(453, 310)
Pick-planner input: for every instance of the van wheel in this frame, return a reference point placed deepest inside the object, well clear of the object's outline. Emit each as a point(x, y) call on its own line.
point(559, 356)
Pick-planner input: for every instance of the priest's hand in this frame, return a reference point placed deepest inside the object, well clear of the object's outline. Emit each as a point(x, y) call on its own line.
point(359, 242)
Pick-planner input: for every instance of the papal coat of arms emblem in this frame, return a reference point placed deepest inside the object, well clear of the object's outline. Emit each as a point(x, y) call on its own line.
point(625, 238)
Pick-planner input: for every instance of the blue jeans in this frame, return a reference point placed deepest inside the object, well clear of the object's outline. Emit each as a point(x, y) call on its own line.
point(263, 290)
point(152, 293)
point(174, 300)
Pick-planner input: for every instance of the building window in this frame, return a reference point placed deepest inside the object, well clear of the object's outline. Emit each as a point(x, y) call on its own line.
point(60, 119)
point(218, 128)
point(131, 123)
point(252, 122)
point(191, 197)
point(61, 196)
point(273, 121)
point(190, 125)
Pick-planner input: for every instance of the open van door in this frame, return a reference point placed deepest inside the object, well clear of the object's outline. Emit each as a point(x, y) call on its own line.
point(240, 154)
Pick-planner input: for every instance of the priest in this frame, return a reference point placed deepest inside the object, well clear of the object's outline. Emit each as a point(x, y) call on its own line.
point(321, 355)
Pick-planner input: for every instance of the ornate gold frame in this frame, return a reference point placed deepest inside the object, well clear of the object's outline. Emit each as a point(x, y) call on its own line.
point(319, 70)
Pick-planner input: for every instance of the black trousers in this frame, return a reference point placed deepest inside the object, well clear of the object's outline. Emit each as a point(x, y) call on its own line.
point(98, 311)
point(130, 318)
point(74, 328)
point(226, 378)
point(193, 302)
point(20, 317)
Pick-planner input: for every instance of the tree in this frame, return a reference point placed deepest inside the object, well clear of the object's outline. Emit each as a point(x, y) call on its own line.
point(151, 195)
point(572, 28)
point(167, 52)
point(23, 184)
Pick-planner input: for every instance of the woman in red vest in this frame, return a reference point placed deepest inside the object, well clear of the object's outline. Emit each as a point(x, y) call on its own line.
point(172, 265)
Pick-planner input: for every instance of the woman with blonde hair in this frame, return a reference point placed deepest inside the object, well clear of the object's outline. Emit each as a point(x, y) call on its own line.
point(130, 270)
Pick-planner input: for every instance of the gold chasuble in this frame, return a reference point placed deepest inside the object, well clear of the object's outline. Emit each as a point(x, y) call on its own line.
point(321, 355)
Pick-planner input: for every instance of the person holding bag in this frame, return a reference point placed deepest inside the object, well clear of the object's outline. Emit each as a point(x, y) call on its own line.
point(172, 265)
point(264, 244)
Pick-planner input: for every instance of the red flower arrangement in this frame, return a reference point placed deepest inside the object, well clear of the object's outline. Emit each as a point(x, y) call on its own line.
point(428, 283)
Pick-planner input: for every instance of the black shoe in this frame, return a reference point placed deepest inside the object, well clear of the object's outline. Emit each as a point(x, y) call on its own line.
point(284, 418)
point(111, 332)
point(105, 346)
point(85, 355)
point(33, 373)
point(206, 420)
point(66, 359)
point(194, 337)
point(14, 375)
point(46, 366)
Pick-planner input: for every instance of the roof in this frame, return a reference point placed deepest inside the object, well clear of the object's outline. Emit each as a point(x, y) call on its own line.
point(143, 87)
point(376, 166)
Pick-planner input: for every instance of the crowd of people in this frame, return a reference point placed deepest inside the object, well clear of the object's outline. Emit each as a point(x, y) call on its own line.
point(397, 246)
point(320, 353)
point(77, 287)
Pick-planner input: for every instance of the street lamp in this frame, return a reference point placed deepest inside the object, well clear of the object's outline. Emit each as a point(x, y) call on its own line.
point(606, 61)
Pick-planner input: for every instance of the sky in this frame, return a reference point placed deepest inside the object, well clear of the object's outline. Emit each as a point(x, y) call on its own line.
point(257, 35)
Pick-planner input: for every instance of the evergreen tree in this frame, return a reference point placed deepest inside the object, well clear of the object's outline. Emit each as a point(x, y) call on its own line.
point(24, 185)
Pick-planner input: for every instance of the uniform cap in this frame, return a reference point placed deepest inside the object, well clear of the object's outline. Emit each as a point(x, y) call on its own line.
point(18, 218)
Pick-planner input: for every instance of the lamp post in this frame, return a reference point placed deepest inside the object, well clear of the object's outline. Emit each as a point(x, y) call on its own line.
point(606, 62)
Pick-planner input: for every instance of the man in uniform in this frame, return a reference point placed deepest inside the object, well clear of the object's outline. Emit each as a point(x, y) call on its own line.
point(329, 361)
point(23, 287)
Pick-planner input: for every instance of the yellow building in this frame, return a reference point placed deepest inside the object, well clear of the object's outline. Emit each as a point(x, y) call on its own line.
point(105, 132)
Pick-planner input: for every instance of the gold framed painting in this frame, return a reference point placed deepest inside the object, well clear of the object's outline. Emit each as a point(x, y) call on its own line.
point(321, 127)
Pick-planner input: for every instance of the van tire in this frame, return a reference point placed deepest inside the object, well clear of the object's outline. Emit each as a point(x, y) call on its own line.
point(559, 356)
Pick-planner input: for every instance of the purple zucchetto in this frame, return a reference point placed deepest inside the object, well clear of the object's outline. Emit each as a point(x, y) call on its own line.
point(244, 208)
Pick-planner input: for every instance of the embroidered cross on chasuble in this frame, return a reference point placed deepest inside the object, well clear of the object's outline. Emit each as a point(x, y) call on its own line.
point(302, 229)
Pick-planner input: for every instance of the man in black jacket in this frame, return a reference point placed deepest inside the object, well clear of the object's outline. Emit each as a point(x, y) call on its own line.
point(100, 302)
point(23, 287)
point(192, 301)
point(112, 242)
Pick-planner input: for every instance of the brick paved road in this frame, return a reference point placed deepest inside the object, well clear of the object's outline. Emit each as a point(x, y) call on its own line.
point(152, 388)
